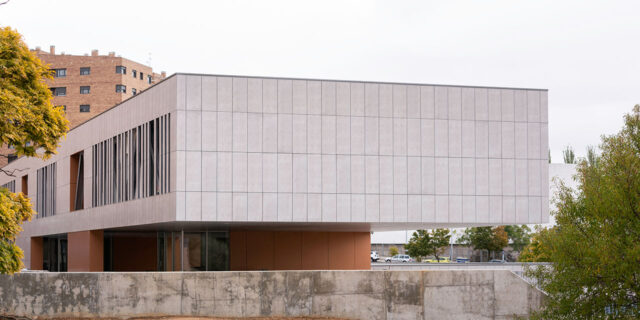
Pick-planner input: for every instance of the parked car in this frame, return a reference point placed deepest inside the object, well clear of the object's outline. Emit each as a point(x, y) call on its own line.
point(399, 258)
point(440, 260)
point(374, 256)
point(497, 261)
point(462, 260)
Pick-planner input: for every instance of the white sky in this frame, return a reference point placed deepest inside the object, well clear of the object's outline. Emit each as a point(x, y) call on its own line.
point(587, 53)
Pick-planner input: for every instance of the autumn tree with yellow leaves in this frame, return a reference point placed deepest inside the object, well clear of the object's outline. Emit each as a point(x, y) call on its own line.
point(30, 124)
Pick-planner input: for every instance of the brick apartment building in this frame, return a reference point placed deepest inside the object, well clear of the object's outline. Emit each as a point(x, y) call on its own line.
point(87, 85)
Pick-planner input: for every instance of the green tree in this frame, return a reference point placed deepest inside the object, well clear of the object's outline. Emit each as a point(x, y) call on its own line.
point(519, 236)
point(595, 245)
point(536, 251)
point(393, 251)
point(424, 243)
point(568, 155)
point(485, 238)
point(28, 122)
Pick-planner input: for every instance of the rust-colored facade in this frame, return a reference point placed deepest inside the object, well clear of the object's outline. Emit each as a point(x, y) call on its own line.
point(291, 250)
point(98, 73)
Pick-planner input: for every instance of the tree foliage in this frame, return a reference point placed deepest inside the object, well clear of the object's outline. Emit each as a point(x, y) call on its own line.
point(393, 251)
point(28, 120)
point(536, 251)
point(424, 243)
point(14, 209)
point(486, 238)
point(519, 236)
point(29, 123)
point(595, 246)
point(568, 155)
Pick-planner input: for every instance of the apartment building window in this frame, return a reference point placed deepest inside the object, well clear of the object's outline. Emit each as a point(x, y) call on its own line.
point(134, 73)
point(141, 76)
point(46, 194)
point(121, 88)
point(12, 157)
point(133, 164)
point(59, 73)
point(134, 91)
point(25, 185)
point(59, 91)
point(85, 71)
point(121, 69)
point(85, 89)
point(85, 108)
point(149, 79)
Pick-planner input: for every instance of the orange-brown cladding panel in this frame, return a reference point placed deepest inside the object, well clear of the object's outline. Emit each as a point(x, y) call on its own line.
point(315, 251)
point(85, 250)
point(276, 250)
point(341, 250)
point(260, 250)
point(288, 251)
point(238, 250)
point(36, 253)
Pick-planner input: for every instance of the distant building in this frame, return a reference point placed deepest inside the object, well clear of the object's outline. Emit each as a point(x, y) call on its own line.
point(87, 85)
point(215, 172)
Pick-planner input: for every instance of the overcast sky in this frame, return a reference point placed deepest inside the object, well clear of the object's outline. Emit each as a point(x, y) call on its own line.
point(587, 53)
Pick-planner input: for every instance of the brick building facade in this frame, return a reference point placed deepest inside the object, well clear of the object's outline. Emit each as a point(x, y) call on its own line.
point(87, 85)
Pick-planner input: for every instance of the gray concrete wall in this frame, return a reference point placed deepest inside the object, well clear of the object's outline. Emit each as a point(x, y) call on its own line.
point(479, 294)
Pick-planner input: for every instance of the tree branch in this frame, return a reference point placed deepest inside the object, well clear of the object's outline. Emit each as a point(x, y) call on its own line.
point(11, 173)
point(5, 2)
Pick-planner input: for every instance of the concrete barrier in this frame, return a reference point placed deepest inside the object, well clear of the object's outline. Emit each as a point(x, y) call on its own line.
point(450, 294)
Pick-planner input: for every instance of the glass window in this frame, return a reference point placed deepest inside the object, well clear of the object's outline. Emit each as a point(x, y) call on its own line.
point(59, 91)
point(85, 108)
point(85, 89)
point(121, 69)
point(134, 91)
point(121, 88)
point(149, 79)
point(59, 73)
point(134, 73)
point(141, 76)
point(85, 71)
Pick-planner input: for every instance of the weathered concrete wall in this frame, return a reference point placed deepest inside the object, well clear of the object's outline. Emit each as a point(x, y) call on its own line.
point(478, 294)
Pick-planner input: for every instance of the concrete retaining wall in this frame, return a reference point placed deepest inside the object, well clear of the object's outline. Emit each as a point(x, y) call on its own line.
point(478, 294)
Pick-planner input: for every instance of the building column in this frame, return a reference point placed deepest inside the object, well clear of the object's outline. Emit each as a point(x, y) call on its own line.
point(36, 254)
point(85, 250)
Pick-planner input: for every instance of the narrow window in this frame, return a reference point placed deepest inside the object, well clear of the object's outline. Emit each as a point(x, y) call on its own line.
point(85, 71)
point(149, 79)
point(134, 91)
point(25, 185)
point(121, 88)
point(85, 89)
point(76, 179)
point(121, 69)
point(141, 76)
point(134, 73)
point(85, 108)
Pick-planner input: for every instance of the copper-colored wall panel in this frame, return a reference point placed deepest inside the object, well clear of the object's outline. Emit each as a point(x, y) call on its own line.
point(86, 250)
point(260, 250)
point(341, 250)
point(288, 251)
point(363, 250)
point(315, 250)
point(237, 250)
point(36, 253)
point(135, 254)
point(280, 250)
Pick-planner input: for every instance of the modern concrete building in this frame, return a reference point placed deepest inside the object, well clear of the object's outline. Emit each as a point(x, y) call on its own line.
point(208, 172)
point(87, 85)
